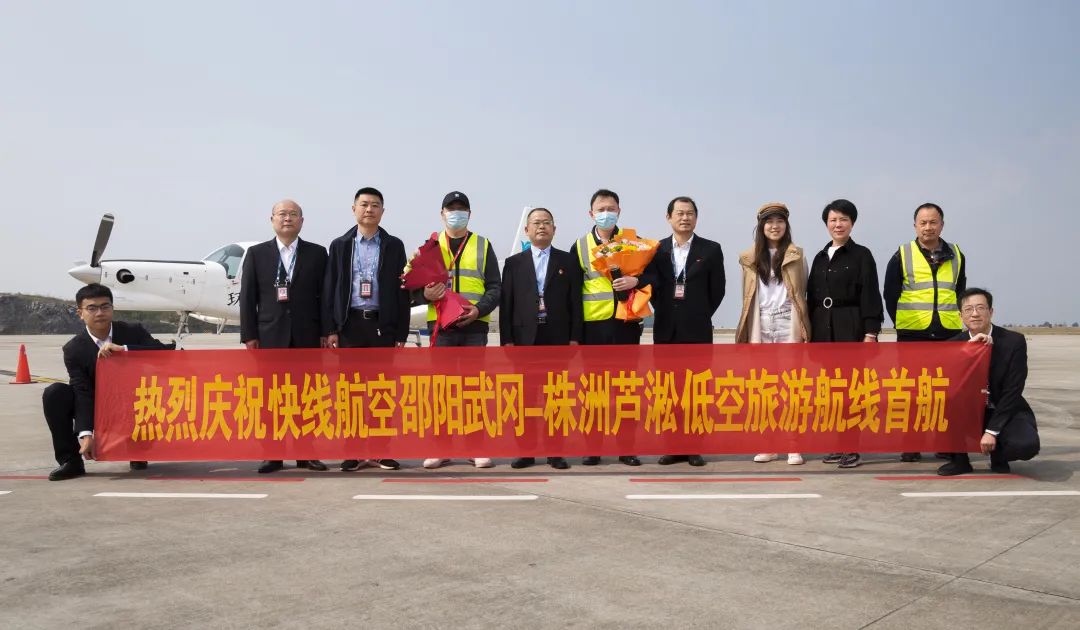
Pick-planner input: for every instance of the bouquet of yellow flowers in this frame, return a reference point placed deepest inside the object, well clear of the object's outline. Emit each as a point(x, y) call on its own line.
point(626, 255)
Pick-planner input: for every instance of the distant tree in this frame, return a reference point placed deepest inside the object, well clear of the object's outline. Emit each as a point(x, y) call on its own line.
point(1076, 325)
point(1046, 325)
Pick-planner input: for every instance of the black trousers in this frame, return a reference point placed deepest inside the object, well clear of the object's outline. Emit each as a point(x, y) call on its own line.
point(58, 402)
point(364, 333)
point(607, 332)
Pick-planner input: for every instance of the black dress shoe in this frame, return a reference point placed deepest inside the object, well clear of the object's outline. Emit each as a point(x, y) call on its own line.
point(387, 464)
point(695, 460)
point(954, 468)
point(350, 465)
point(910, 457)
point(630, 460)
point(522, 462)
point(271, 465)
point(832, 458)
point(137, 465)
point(945, 456)
point(591, 460)
point(70, 469)
point(1001, 468)
point(558, 463)
point(312, 464)
point(667, 460)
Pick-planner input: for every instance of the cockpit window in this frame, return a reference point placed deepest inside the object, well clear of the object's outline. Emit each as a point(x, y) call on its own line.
point(228, 257)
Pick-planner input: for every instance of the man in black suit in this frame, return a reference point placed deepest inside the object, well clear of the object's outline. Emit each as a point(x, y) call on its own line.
point(364, 305)
point(68, 405)
point(541, 299)
point(1009, 429)
point(281, 295)
point(688, 288)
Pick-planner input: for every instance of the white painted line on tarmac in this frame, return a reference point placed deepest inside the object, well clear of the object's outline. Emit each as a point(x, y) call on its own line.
point(179, 495)
point(446, 497)
point(997, 493)
point(5, 491)
point(717, 497)
point(214, 470)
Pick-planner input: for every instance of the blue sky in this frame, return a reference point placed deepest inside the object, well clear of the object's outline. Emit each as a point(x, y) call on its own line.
point(189, 120)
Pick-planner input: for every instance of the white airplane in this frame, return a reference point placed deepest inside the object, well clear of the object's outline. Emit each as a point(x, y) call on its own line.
point(207, 289)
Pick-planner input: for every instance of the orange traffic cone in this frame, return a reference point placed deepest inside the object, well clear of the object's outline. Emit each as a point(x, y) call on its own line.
point(22, 373)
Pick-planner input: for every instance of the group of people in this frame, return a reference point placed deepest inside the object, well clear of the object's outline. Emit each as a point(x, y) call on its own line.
point(295, 294)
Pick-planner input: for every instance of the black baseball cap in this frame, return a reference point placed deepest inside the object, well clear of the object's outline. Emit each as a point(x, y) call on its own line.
point(457, 196)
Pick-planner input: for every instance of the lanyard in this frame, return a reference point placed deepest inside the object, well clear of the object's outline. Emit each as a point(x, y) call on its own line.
point(359, 262)
point(545, 259)
point(292, 265)
point(461, 248)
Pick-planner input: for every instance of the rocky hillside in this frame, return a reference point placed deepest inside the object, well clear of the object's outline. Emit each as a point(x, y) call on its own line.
point(39, 315)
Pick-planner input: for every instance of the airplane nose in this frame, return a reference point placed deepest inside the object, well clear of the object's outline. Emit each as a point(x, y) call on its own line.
point(85, 273)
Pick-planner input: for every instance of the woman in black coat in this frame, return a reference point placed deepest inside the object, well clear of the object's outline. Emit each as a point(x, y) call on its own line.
point(842, 293)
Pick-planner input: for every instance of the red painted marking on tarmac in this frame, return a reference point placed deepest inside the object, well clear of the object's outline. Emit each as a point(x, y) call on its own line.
point(967, 477)
point(23, 477)
point(243, 479)
point(489, 480)
point(710, 479)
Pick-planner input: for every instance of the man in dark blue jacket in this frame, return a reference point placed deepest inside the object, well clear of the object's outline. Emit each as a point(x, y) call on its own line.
point(364, 304)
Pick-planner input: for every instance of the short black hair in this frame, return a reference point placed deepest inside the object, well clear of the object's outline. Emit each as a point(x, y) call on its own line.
point(973, 291)
point(671, 205)
point(91, 291)
point(844, 207)
point(603, 192)
point(529, 216)
point(368, 190)
point(941, 213)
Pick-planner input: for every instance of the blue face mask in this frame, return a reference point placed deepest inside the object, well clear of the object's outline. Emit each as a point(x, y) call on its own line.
point(606, 219)
point(457, 219)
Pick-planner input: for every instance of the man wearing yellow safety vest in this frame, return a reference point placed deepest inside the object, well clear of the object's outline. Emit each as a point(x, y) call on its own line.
point(922, 282)
point(602, 324)
point(474, 273)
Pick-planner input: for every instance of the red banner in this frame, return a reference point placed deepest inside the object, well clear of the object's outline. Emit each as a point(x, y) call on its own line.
point(540, 401)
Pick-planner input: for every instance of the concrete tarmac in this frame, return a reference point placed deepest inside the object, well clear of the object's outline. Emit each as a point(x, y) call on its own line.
point(835, 549)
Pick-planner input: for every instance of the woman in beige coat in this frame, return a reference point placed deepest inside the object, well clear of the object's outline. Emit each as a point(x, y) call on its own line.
point(774, 291)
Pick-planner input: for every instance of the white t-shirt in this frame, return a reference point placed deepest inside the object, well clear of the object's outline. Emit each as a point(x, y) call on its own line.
point(772, 295)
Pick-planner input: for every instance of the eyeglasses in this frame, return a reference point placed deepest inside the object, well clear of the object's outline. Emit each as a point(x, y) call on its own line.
point(374, 206)
point(545, 223)
point(94, 309)
point(287, 215)
point(975, 308)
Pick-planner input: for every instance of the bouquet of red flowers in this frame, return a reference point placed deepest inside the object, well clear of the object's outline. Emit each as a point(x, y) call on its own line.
point(428, 266)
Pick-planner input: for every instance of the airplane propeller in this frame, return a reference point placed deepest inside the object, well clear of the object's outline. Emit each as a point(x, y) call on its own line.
point(104, 230)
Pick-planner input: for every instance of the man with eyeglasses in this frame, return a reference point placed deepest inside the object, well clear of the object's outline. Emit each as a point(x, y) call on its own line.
point(922, 281)
point(364, 304)
point(1009, 428)
point(281, 295)
point(69, 407)
point(541, 299)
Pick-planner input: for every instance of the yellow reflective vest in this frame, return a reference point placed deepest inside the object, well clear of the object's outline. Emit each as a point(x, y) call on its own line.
point(922, 292)
point(469, 279)
point(596, 292)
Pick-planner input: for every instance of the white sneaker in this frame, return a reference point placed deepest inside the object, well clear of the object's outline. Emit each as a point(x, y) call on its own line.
point(794, 459)
point(435, 463)
point(761, 458)
point(482, 462)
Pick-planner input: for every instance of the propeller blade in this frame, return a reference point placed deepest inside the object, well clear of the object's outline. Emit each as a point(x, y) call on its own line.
point(104, 230)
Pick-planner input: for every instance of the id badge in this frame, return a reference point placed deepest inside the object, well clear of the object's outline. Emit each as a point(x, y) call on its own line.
point(680, 290)
point(365, 288)
point(283, 294)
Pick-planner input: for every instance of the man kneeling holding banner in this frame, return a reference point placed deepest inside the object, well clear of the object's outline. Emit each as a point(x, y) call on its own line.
point(1009, 429)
